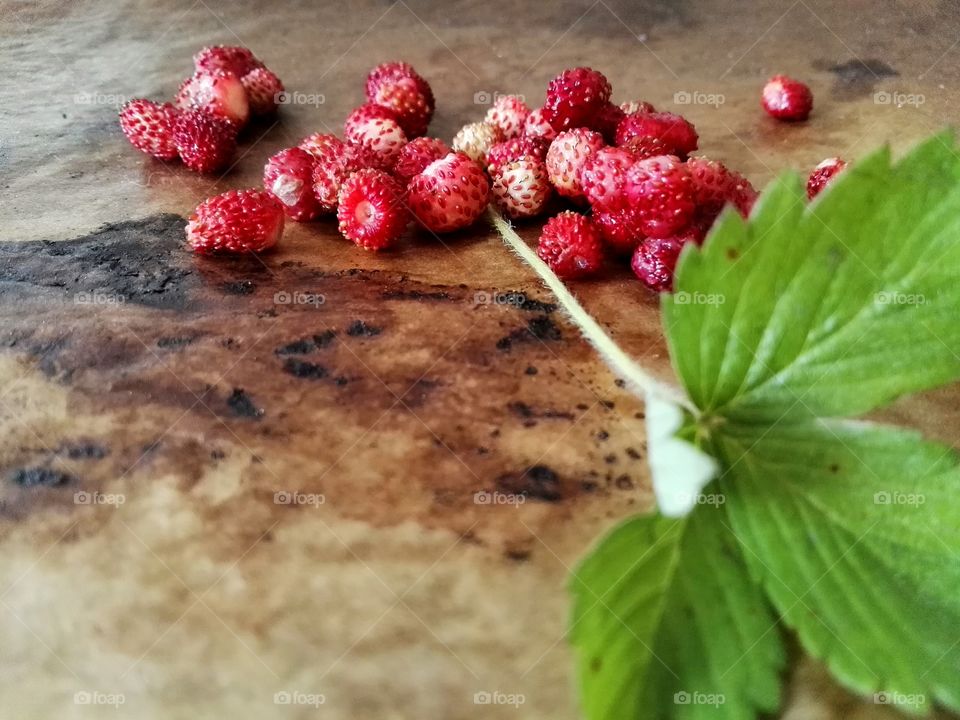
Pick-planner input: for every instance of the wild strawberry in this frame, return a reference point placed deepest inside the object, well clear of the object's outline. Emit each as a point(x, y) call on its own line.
point(475, 140)
point(363, 156)
point(823, 174)
point(787, 99)
point(536, 125)
point(575, 97)
point(620, 230)
point(661, 190)
point(566, 157)
point(508, 151)
point(288, 176)
point(449, 194)
point(655, 260)
point(320, 145)
point(149, 127)
point(391, 72)
point(644, 146)
point(416, 155)
point(607, 121)
point(602, 177)
point(742, 194)
point(236, 221)
point(509, 113)
point(674, 131)
point(218, 92)
point(205, 142)
point(264, 90)
point(570, 245)
point(329, 173)
point(376, 128)
point(637, 106)
point(371, 212)
point(237, 60)
point(410, 106)
point(712, 183)
point(522, 188)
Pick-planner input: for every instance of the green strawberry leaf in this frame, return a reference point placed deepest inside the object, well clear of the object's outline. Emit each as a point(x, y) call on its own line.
point(668, 624)
point(828, 309)
point(854, 532)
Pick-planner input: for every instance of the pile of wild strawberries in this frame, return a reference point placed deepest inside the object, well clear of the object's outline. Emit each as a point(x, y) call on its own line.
point(633, 188)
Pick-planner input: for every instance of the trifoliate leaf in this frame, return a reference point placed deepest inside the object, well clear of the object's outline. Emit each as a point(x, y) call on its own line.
point(669, 626)
point(827, 309)
point(854, 532)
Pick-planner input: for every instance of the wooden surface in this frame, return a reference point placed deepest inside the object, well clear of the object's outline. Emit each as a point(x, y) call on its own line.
point(196, 390)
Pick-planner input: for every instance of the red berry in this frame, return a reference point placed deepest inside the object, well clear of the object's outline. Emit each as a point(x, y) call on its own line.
point(742, 194)
point(509, 113)
point(570, 245)
point(288, 176)
point(712, 184)
point(263, 90)
point(416, 155)
point(218, 92)
point(371, 212)
point(602, 177)
point(376, 128)
point(823, 174)
point(521, 188)
point(575, 97)
point(620, 229)
point(787, 99)
point(149, 127)
point(637, 106)
point(411, 107)
point(566, 157)
point(321, 145)
point(390, 72)
point(236, 221)
point(644, 146)
point(205, 143)
point(509, 151)
point(607, 121)
point(537, 125)
point(655, 260)
point(449, 194)
point(672, 130)
point(661, 190)
point(237, 60)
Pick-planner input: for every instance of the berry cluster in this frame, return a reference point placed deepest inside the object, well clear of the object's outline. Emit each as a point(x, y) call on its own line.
point(211, 107)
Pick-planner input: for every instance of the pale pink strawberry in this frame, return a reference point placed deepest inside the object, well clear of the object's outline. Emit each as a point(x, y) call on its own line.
point(475, 140)
point(536, 124)
point(566, 157)
point(378, 131)
point(509, 113)
point(522, 188)
point(508, 151)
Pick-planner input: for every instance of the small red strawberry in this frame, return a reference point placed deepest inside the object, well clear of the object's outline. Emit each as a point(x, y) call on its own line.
point(620, 230)
point(449, 194)
point(509, 113)
point(371, 212)
point(149, 127)
point(522, 188)
point(823, 174)
point(712, 184)
point(411, 107)
point(602, 177)
point(390, 72)
point(288, 176)
point(475, 140)
point(661, 190)
point(607, 121)
point(236, 221)
point(416, 155)
point(376, 128)
point(787, 99)
point(570, 245)
point(644, 146)
point(237, 60)
point(674, 131)
point(321, 145)
point(264, 90)
point(218, 92)
point(637, 106)
point(509, 151)
point(655, 260)
point(742, 194)
point(566, 157)
point(575, 97)
point(537, 125)
point(329, 173)
point(205, 143)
